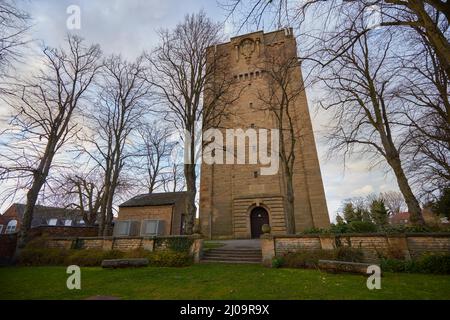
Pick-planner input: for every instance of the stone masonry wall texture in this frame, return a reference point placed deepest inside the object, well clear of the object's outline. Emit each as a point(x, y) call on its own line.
point(228, 192)
point(412, 245)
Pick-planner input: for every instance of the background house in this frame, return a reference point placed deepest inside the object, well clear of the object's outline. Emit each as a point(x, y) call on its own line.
point(12, 219)
point(152, 214)
point(429, 216)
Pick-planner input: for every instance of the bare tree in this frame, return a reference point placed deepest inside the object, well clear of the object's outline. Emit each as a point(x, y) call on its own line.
point(45, 108)
point(428, 18)
point(394, 201)
point(362, 94)
point(425, 94)
point(281, 99)
point(153, 155)
point(190, 77)
point(81, 191)
point(174, 178)
point(14, 23)
point(421, 35)
point(123, 97)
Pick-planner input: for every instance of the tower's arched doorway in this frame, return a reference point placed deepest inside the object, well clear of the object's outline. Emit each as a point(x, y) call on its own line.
point(258, 217)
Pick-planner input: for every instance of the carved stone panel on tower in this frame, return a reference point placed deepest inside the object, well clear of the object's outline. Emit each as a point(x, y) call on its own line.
point(247, 48)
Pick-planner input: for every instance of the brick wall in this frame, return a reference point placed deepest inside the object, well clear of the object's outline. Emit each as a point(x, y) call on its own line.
point(410, 245)
point(7, 247)
point(64, 231)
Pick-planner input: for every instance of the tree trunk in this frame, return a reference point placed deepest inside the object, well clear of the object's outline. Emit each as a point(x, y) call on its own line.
point(32, 196)
point(103, 212)
point(191, 209)
point(39, 177)
point(415, 212)
point(289, 206)
point(437, 39)
point(107, 231)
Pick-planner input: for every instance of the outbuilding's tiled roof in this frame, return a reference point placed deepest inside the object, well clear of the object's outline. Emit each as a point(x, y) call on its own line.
point(155, 199)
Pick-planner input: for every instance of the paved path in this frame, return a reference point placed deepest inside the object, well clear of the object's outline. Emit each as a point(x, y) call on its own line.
point(240, 244)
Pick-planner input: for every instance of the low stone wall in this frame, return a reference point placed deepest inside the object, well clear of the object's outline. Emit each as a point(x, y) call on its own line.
point(124, 243)
point(8, 241)
point(373, 245)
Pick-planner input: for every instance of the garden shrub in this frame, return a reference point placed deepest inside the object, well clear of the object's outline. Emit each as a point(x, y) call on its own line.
point(169, 258)
point(431, 263)
point(178, 244)
point(306, 258)
point(396, 265)
point(349, 254)
point(92, 257)
point(310, 258)
point(34, 256)
point(78, 244)
point(277, 262)
point(434, 263)
point(339, 228)
point(163, 258)
point(313, 231)
point(391, 252)
point(136, 254)
point(362, 227)
point(38, 242)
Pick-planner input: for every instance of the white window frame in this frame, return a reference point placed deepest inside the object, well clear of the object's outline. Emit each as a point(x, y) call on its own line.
point(50, 222)
point(128, 228)
point(157, 227)
point(68, 223)
point(11, 226)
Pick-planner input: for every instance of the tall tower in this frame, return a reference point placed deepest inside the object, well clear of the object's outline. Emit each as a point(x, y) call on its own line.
point(235, 200)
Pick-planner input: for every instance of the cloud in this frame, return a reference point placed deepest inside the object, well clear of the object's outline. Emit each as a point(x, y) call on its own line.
point(129, 26)
point(364, 191)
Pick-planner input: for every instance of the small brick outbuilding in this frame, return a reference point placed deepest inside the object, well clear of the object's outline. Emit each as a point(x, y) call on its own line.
point(152, 214)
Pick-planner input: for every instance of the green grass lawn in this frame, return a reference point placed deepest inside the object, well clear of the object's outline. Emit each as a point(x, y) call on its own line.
point(215, 281)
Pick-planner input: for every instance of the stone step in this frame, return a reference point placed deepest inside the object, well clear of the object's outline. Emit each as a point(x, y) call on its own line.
point(232, 256)
point(219, 250)
point(228, 261)
point(232, 259)
point(241, 255)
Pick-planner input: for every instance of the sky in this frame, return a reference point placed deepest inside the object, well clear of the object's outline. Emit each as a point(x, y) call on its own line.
point(128, 27)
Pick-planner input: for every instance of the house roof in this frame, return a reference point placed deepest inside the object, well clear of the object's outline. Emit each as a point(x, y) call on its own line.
point(155, 199)
point(42, 214)
point(399, 217)
point(3, 220)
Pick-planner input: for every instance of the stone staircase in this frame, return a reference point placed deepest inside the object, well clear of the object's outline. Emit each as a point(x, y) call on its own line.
point(232, 255)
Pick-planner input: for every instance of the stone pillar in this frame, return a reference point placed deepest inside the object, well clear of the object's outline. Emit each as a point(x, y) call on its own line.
point(327, 242)
point(148, 244)
point(108, 243)
point(267, 249)
point(399, 242)
point(197, 248)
